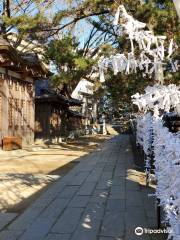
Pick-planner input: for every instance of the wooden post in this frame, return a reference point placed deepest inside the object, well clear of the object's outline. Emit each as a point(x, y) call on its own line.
point(104, 124)
point(84, 112)
point(94, 111)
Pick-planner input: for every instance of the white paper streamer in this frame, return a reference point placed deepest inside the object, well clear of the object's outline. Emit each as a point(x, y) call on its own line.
point(135, 30)
point(167, 169)
point(116, 18)
point(158, 97)
point(166, 149)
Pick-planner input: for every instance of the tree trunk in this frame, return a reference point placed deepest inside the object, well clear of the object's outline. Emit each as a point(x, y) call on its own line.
point(6, 12)
point(6, 8)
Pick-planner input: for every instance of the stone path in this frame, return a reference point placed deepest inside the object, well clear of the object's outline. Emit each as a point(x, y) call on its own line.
point(96, 200)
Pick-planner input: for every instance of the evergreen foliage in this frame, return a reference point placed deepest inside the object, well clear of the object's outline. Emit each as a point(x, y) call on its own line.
point(52, 23)
point(70, 63)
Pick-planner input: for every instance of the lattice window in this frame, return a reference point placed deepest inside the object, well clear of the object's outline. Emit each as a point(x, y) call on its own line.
point(10, 83)
point(10, 112)
point(25, 113)
point(16, 116)
point(17, 85)
point(23, 87)
point(30, 89)
point(22, 112)
point(0, 113)
point(18, 108)
point(28, 113)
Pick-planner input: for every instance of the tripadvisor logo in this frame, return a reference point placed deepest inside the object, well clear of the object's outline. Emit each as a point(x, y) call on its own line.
point(139, 231)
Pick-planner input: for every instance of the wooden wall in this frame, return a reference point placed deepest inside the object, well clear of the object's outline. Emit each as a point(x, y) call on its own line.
point(49, 121)
point(16, 106)
point(75, 123)
point(52, 123)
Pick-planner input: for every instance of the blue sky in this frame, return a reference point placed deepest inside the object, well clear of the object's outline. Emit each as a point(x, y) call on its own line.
point(82, 28)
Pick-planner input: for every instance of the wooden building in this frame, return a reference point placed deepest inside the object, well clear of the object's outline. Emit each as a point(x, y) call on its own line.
point(17, 108)
point(56, 114)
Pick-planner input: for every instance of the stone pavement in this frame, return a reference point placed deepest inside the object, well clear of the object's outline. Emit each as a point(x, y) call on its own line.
point(99, 199)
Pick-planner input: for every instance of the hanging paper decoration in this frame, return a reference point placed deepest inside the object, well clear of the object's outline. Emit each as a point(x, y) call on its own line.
point(167, 168)
point(130, 24)
point(116, 18)
point(157, 98)
point(84, 87)
point(166, 147)
point(151, 59)
point(143, 133)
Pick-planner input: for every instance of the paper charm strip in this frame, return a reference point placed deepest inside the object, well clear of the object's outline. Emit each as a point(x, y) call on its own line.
point(153, 54)
point(167, 168)
point(157, 98)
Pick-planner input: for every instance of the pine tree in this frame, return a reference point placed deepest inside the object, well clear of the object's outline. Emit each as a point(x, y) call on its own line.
point(162, 19)
point(69, 61)
point(25, 19)
point(37, 20)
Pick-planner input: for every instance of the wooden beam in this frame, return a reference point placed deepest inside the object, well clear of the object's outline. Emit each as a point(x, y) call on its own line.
point(6, 64)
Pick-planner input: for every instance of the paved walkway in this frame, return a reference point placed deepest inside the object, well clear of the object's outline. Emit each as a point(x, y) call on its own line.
point(99, 199)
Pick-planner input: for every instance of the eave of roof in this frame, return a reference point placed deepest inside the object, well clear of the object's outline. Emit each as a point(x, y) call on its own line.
point(75, 102)
point(74, 114)
point(36, 67)
point(52, 98)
